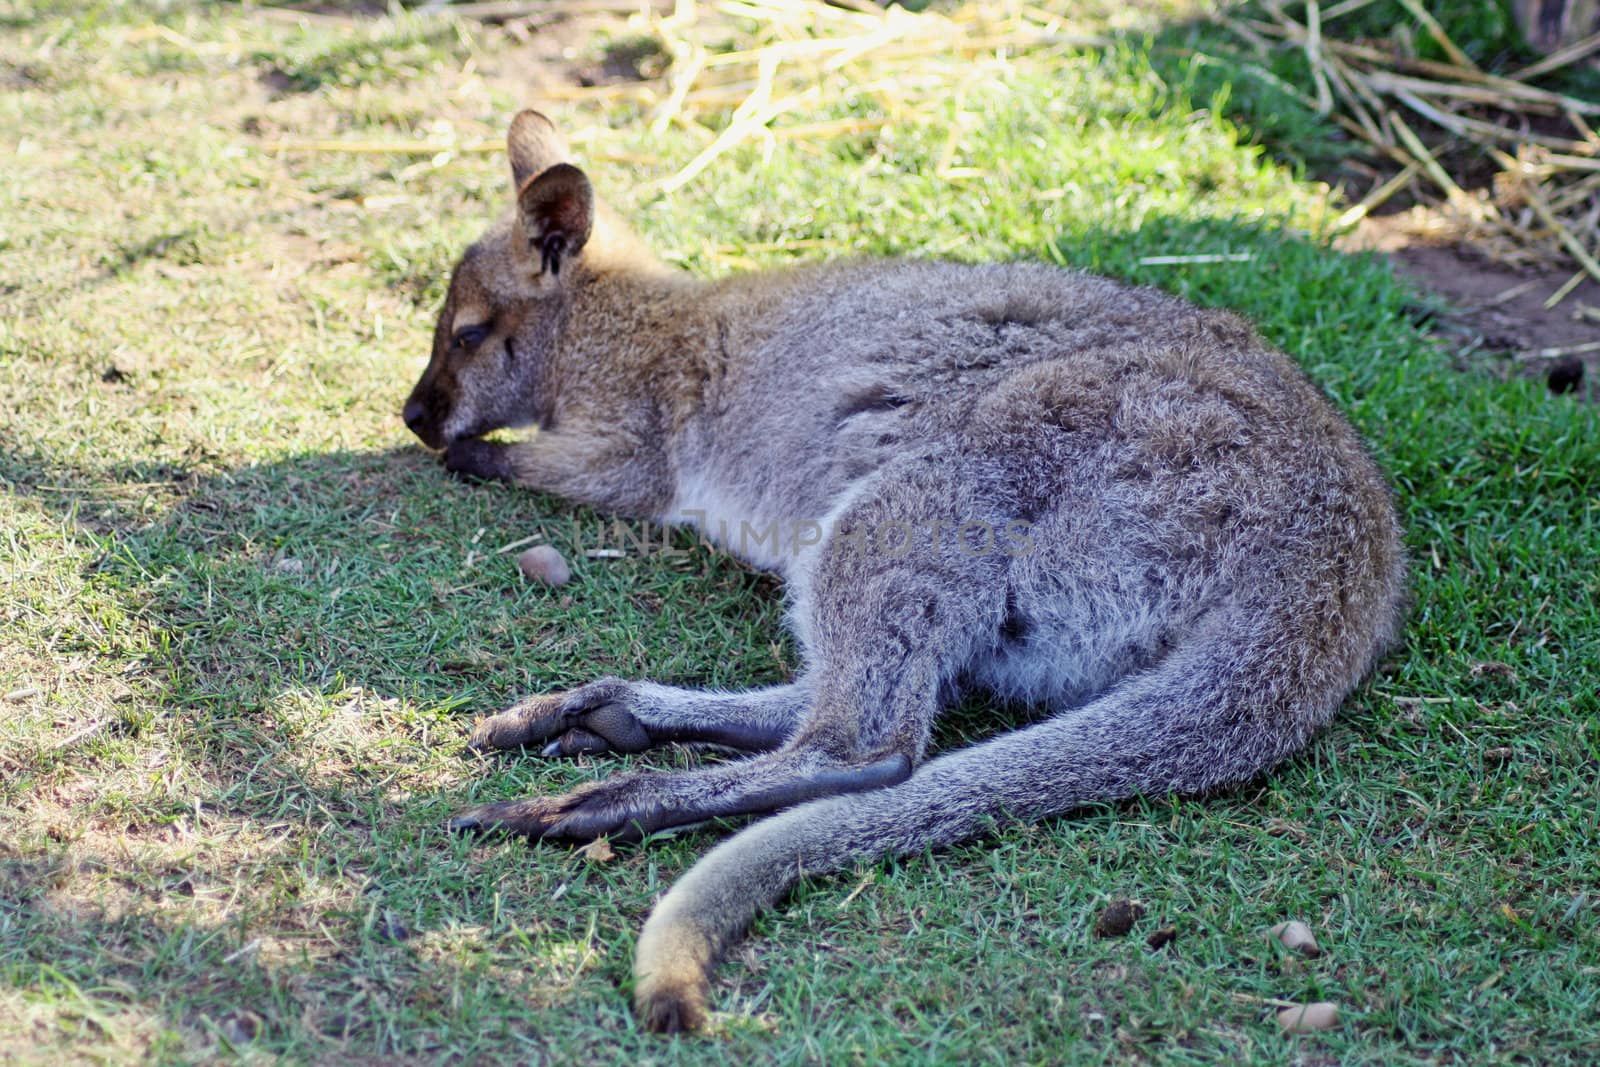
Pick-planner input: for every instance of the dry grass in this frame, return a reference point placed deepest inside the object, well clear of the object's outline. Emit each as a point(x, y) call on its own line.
point(1441, 122)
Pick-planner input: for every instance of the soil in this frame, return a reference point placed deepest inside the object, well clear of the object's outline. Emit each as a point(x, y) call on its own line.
point(1492, 315)
point(559, 50)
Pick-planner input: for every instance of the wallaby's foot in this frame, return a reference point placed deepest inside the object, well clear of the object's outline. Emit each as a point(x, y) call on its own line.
point(611, 715)
point(484, 460)
point(608, 809)
point(632, 805)
point(586, 721)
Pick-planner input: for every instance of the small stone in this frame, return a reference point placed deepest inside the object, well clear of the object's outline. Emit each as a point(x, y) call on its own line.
point(1308, 1018)
point(391, 929)
point(541, 563)
point(1494, 669)
point(240, 1027)
point(1297, 937)
point(1566, 374)
point(1118, 918)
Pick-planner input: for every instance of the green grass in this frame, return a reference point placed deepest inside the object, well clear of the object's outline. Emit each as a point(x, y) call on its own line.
point(246, 622)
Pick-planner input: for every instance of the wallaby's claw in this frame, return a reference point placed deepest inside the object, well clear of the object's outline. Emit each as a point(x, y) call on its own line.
point(527, 818)
point(584, 722)
point(470, 822)
point(577, 742)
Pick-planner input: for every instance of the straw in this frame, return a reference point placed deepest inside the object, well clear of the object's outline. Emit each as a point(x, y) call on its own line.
point(1542, 199)
point(759, 71)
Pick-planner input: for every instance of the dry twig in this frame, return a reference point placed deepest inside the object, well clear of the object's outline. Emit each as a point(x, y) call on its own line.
point(1544, 202)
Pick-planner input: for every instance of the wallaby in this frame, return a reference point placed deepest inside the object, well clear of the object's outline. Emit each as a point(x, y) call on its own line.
point(1096, 501)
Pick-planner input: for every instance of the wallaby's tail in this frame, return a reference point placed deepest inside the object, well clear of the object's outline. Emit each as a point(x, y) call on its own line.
point(1211, 717)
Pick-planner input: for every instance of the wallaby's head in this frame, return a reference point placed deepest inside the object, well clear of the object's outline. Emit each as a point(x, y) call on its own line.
point(511, 291)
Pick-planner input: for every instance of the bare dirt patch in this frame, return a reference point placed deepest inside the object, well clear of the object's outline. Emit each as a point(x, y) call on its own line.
point(1496, 317)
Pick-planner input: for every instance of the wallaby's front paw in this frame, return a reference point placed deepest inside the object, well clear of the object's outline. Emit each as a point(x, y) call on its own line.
point(484, 460)
point(586, 721)
point(609, 809)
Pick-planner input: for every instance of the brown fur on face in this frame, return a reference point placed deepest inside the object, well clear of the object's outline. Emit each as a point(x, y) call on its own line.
point(511, 292)
point(487, 334)
point(1201, 559)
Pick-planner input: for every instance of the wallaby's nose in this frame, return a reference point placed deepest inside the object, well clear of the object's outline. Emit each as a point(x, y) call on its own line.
point(413, 413)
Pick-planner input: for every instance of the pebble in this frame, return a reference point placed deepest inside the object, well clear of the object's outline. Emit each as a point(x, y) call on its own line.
point(1296, 936)
point(1308, 1018)
point(541, 563)
point(1565, 375)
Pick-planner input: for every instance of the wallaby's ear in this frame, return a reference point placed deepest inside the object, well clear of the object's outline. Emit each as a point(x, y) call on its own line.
point(534, 145)
point(557, 212)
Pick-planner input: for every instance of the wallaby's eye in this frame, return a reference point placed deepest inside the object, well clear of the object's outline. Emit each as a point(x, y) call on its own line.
point(471, 336)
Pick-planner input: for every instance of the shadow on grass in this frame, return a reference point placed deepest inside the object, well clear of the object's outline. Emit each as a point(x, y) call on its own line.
point(324, 625)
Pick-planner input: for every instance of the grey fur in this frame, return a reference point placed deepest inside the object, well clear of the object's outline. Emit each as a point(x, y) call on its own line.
point(1191, 558)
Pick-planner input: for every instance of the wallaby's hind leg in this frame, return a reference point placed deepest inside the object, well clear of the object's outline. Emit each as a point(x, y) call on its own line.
point(878, 665)
point(866, 731)
point(1215, 713)
point(885, 633)
point(611, 715)
point(628, 806)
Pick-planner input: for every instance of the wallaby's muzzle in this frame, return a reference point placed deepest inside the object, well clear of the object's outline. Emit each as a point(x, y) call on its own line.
point(414, 416)
point(422, 419)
